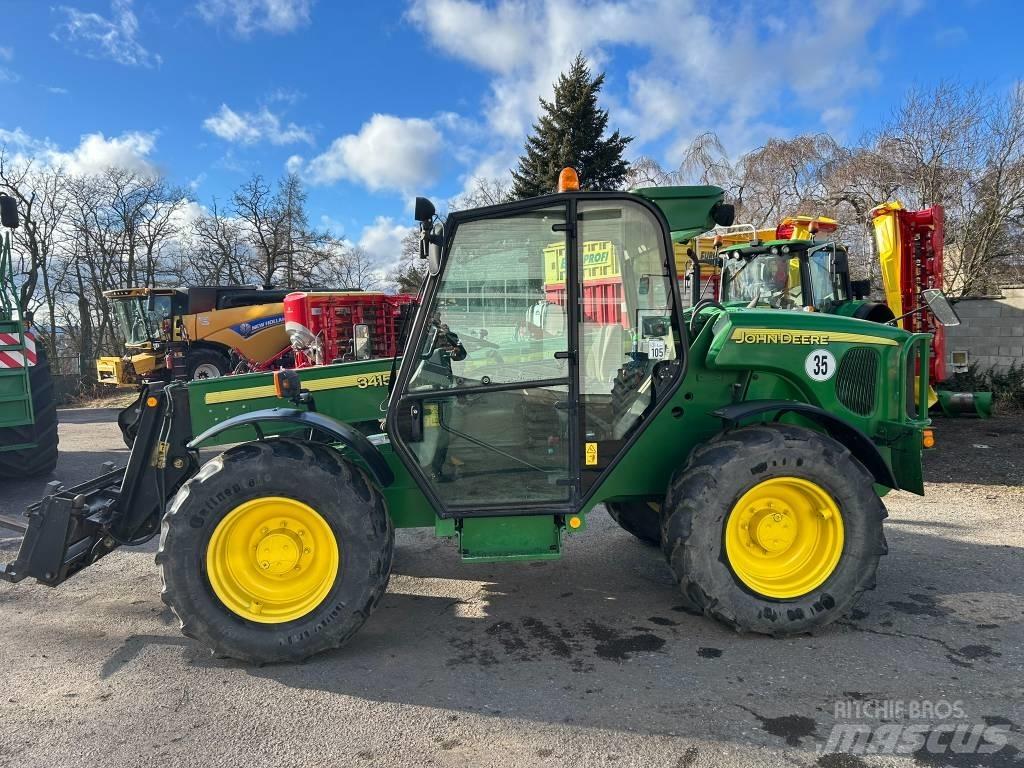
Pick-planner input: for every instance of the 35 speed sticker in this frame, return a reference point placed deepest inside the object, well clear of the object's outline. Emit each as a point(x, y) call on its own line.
point(820, 365)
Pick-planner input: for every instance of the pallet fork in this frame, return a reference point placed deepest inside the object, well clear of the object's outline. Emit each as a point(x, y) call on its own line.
point(72, 528)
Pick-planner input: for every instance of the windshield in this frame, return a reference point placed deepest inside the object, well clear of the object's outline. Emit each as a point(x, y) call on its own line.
point(139, 326)
point(767, 279)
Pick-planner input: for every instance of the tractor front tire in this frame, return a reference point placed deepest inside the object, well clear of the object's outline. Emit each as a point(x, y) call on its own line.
point(42, 432)
point(275, 551)
point(773, 529)
point(640, 518)
point(207, 364)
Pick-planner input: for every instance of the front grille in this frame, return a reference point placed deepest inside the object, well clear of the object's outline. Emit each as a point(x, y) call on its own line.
point(856, 380)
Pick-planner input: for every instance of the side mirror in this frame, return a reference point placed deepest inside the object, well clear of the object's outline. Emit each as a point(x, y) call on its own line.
point(645, 286)
point(151, 304)
point(361, 346)
point(861, 289)
point(940, 307)
point(8, 212)
point(723, 214)
point(434, 240)
point(424, 211)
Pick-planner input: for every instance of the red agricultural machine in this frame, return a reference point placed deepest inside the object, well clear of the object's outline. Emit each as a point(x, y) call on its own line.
point(339, 327)
point(909, 247)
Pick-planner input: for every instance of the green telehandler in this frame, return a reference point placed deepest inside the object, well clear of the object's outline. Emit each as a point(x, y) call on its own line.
point(548, 369)
point(28, 410)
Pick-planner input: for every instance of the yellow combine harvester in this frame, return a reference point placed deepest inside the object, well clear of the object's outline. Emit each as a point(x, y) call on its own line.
point(191, 333)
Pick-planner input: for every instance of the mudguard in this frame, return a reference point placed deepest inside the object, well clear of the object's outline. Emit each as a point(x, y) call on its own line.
point(317, 422)
point(859, 444)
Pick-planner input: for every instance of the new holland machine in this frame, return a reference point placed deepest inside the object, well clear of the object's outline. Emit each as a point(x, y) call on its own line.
point(192, 333)
point(757, 441)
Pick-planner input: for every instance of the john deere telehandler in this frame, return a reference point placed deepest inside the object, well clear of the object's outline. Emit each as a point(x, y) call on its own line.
point(763, 437)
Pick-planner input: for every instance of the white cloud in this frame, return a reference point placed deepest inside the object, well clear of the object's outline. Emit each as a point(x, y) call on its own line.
point(248, 16)
point(293, 164)
point(96, 153)
point(99, 37)
point(251, 127)
point(721, 70)
point(382, 241)
point(837, 120)
point(57, 90)
point(6, 53)
point(388, 152)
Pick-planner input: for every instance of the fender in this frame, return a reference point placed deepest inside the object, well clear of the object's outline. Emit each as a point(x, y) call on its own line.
point(316, 422)
point(859, 444)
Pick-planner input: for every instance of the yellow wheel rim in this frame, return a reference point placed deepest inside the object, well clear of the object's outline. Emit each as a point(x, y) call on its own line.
point(784, 537)
point(272, 560)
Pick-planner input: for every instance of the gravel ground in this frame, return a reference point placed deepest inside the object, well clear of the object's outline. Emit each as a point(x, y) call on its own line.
point(584, 661)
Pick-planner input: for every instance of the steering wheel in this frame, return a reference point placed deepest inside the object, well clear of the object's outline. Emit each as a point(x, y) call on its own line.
point(447, 340)
point(699, 307)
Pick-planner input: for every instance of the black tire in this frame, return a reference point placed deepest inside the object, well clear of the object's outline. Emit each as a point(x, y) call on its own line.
point(41, 459)
point(313, 474)
point(637, 518)
point(702, 496)
point(202, 362)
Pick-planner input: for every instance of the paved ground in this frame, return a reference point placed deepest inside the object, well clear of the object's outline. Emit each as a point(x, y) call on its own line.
point(586, 661)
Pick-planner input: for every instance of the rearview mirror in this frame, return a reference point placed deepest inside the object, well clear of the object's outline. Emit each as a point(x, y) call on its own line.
point(940, 307)
point(8, 211)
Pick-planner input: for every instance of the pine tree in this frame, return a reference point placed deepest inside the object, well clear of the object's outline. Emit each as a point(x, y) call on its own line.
point(570, 132)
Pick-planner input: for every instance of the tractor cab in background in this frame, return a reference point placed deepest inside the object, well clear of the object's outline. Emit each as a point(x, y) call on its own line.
point(144, 318)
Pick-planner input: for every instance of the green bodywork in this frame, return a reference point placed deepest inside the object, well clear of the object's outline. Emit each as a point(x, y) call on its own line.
point(735, 355)
point(15, 390)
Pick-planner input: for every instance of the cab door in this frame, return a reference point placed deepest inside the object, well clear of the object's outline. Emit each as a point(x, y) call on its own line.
point(486, 404)
point(631, 345)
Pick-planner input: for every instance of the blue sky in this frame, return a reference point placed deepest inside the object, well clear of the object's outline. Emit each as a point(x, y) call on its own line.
point(375, 102)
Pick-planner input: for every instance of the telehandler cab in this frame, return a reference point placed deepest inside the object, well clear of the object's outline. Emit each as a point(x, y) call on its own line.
point(762, 439)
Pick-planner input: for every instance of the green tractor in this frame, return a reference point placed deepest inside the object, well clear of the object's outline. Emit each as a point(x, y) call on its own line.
point(548, 370)
point(796, 273)
point(28, 410)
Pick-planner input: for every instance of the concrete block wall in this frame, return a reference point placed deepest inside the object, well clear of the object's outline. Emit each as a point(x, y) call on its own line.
point(991, 330)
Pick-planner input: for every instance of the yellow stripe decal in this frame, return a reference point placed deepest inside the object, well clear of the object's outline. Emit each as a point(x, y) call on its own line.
point(815, 338)
point(334, 382)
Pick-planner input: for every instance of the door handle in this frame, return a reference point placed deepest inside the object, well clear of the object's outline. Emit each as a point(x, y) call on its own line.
point(565, 356)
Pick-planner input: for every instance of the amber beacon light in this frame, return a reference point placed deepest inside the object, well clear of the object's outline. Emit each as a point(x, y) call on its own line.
point(568, 180)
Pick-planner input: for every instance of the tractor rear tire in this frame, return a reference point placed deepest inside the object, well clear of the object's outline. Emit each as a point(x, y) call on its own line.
point(41, 459)
point(638, 518)
point(766, 571)
point(222, 597)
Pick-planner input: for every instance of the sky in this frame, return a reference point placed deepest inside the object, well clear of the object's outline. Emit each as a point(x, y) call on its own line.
point(373, 103)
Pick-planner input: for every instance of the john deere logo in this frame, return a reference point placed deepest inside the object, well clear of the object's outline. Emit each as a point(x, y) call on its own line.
point(251, 328)
point(758, 336)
